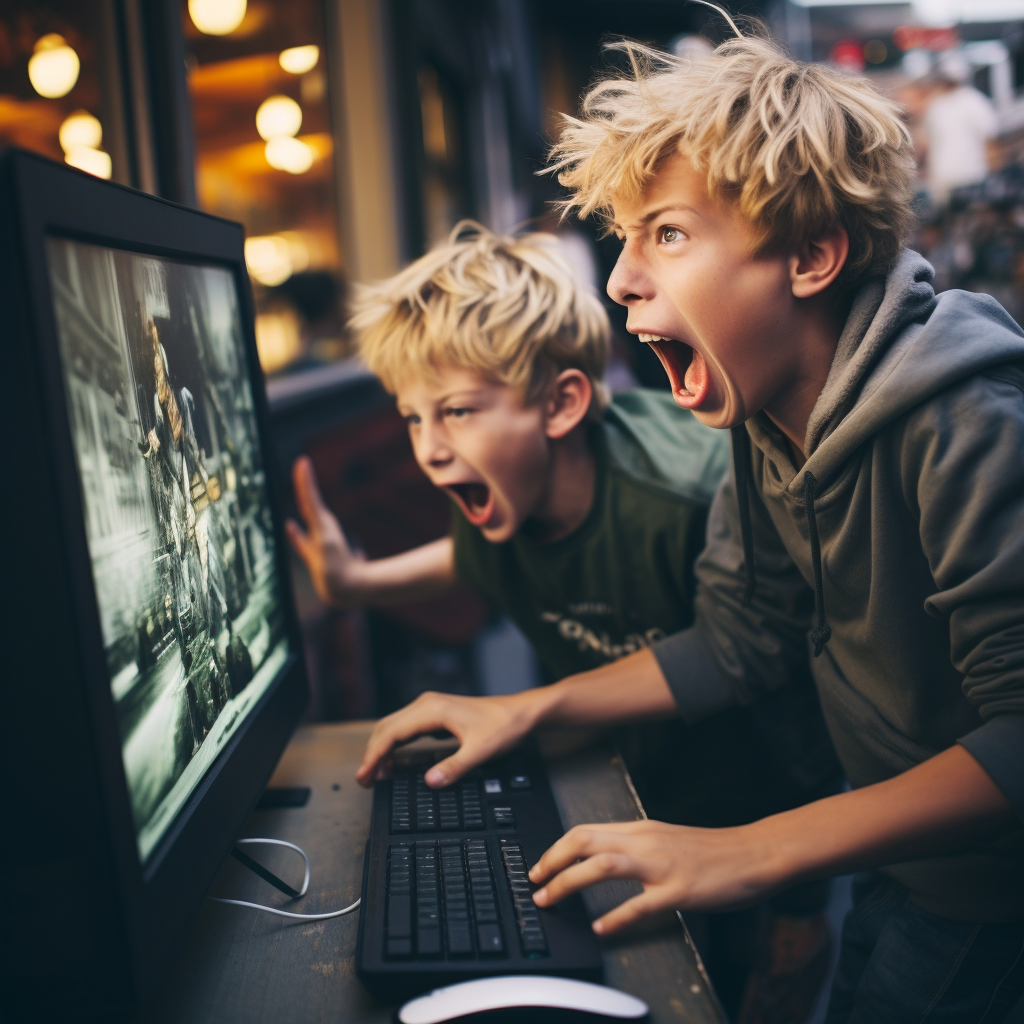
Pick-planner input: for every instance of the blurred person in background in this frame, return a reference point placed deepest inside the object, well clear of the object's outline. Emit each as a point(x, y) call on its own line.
point(959, 123)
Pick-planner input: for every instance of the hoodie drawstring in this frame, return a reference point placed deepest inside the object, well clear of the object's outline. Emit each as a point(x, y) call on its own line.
point(741, 471)
point(822, 631)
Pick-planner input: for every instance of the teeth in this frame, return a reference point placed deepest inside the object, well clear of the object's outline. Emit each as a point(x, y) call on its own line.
point(649, 338)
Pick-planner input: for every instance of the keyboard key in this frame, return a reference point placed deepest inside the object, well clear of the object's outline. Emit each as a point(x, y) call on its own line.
point(428, 941)
point(519, 782)
point(489, 939)
point(460, 942)
point(399, 917)
point(399, 947)
point(528, 920)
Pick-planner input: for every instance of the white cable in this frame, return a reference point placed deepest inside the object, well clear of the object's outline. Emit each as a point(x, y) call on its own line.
point(302, 891)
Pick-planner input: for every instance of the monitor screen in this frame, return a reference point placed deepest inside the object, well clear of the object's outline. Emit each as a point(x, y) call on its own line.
point(177, 512)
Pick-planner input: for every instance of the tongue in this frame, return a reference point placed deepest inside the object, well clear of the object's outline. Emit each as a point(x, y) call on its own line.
point(696, 375)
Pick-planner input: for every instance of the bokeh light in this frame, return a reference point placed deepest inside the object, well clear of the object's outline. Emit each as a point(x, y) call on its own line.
point(297, 60)
point(92, 161)
point(53, 67)
point(216, 17)
point(80, 129)
point(288, 154)
point(278, 116)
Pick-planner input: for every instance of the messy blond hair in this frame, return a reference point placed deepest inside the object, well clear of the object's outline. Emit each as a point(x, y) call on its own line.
point(509, 307)
point(802, 148)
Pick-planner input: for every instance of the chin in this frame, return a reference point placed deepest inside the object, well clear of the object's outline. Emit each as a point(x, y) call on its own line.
point(498, 534)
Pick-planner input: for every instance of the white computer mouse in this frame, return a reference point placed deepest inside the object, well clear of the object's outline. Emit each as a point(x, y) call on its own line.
point(487, 996)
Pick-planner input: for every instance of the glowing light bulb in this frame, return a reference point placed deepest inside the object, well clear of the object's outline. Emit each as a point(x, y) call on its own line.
point(92, 161)
point(299, 59)
point(80, 129)
point(269, 259)
point(216, 17)
point(53, 67)
point(277, 116)
point(288, 154)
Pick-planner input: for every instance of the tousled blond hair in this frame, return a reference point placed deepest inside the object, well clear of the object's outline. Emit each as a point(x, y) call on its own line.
point(803, 148)
point(509, 307)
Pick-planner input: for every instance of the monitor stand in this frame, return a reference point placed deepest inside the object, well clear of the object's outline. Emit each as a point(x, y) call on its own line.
point(274, 798)
point(264, 873)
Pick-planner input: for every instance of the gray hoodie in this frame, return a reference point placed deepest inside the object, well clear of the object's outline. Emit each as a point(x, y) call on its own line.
point(894, 557)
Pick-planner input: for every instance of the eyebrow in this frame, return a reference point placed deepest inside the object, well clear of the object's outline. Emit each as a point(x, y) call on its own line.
point(655, 214)
point(466, 394)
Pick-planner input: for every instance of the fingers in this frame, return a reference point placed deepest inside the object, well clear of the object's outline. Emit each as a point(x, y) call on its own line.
point(298, 538)
point(629, 912)
point(597, 868)
point(308, 499)
point(579, 842)
point(422, 716)
point(452, 768)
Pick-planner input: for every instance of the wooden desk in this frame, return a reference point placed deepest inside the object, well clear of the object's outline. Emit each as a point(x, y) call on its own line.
point(238, 966)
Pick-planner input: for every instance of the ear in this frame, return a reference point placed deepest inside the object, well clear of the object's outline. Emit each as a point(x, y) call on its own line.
point(567, 403)
point(817, 262)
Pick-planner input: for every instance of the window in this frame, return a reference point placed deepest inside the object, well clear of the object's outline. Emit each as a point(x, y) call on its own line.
point(265, 157)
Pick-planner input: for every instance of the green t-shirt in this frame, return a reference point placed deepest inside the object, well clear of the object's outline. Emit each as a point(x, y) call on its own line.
point(624, 577)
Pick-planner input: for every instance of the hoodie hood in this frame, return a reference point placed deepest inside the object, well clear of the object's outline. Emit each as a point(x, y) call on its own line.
point(901, 345)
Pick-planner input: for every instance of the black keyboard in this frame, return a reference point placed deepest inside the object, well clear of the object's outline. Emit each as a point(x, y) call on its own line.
point(446, 895)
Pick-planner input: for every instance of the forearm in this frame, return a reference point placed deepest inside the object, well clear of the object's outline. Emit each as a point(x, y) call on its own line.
point(629, 689)
point(411, 576)
point(944, 801)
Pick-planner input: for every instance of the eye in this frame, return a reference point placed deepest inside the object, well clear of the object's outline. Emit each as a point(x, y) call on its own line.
point(458, 412)
point(670, 234)
point(411, 419)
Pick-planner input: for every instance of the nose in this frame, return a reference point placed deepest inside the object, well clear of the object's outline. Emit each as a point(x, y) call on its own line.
point(430, 446)
point(629, 282)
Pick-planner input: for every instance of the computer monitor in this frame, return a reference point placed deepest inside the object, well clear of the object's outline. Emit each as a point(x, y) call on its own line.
point(152, 657)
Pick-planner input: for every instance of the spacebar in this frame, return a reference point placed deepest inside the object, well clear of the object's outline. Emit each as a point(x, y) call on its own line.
point(399, 917)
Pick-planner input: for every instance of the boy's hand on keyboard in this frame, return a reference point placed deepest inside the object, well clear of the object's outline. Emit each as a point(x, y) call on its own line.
point(680, 868)
point(484, 727)
point(322, 544)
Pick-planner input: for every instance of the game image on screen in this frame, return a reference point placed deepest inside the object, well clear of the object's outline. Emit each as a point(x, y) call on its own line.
point(176, 508)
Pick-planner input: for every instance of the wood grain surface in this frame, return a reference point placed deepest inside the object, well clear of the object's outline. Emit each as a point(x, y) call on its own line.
point(238, 966)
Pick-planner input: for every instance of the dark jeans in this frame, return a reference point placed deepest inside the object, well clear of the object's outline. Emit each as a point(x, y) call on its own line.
point(901, 965)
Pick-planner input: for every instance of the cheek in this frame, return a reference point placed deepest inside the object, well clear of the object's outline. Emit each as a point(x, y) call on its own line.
point(519, 463)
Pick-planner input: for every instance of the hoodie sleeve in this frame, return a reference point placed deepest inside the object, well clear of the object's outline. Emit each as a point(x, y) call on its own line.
point(963, 469)
point(734, 651)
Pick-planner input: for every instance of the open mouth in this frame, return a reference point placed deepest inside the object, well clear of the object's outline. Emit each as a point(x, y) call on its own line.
point(475, 500)
point(687, 371)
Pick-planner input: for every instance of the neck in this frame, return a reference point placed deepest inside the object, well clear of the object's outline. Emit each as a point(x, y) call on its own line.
point(569, 491)
point(818, 327)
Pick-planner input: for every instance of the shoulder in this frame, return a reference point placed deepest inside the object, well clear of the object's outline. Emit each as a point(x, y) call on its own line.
point(653, 442)
point(973, 423)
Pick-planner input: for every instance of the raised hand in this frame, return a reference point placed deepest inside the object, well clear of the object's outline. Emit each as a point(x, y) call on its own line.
point(322, 545)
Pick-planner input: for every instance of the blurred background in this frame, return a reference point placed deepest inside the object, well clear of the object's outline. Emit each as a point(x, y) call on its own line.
point(348, 136)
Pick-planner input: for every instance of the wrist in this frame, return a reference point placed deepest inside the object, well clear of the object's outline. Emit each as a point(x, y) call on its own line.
point(531, 707)
point(784, 850)
point(351, 585)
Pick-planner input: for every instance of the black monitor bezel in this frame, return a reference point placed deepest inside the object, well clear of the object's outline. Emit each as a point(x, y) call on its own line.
point(160, 896)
